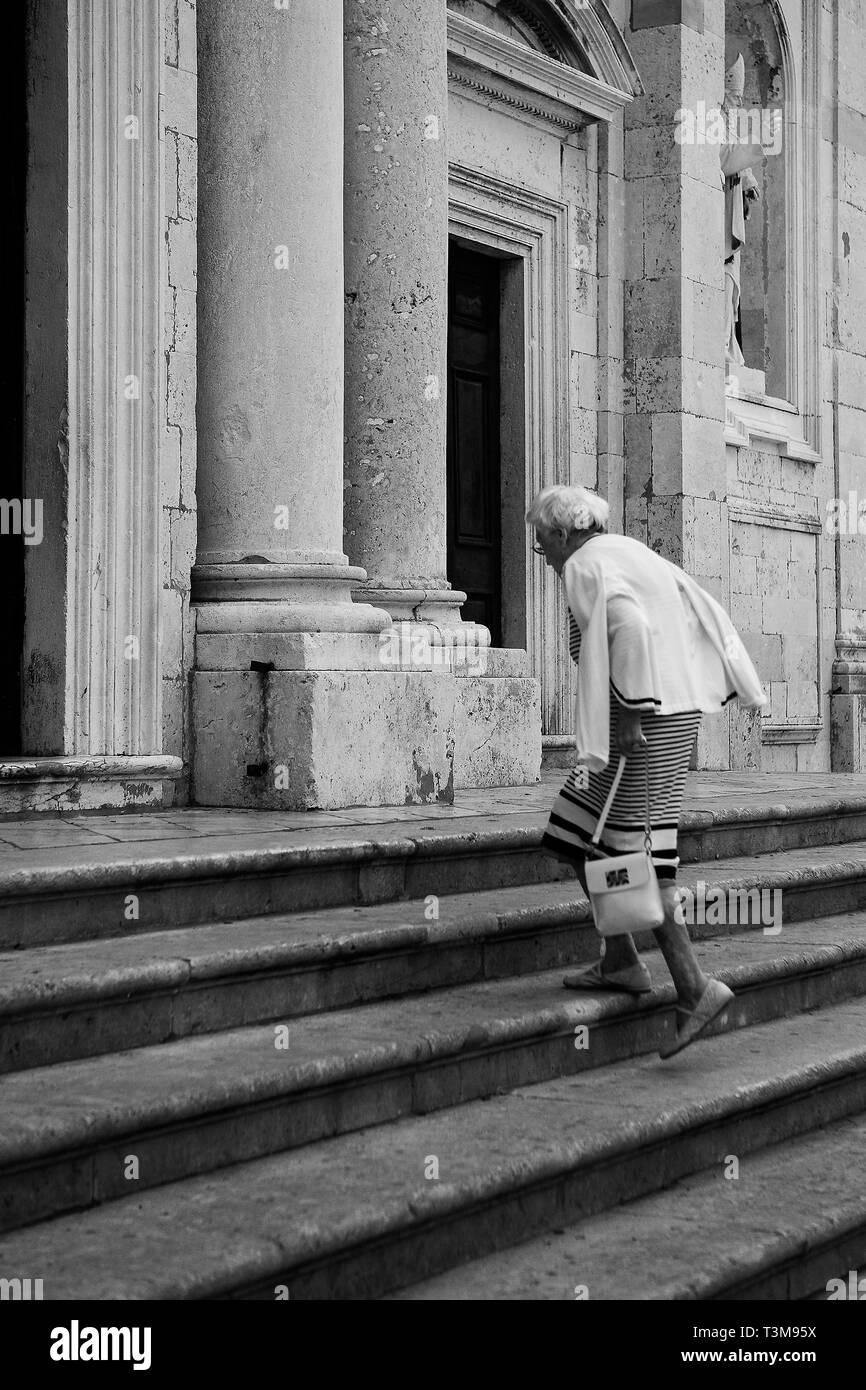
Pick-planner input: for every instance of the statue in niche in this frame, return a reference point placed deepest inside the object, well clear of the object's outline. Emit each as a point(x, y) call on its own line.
point(741, 189)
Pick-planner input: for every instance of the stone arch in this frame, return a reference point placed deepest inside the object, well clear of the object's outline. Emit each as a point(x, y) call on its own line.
point(760, 32)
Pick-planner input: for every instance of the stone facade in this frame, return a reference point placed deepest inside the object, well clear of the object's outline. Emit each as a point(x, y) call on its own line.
point(179, 131)
point(843, 164)
point(282, 475)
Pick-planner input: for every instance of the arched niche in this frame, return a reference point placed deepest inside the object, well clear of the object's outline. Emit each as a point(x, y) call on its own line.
point(758, 31)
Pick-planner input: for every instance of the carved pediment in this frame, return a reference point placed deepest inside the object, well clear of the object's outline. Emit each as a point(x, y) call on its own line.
point(561, 60)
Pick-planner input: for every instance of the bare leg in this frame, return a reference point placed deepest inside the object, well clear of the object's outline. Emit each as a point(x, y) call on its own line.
point(620, 952)
point(677, 949)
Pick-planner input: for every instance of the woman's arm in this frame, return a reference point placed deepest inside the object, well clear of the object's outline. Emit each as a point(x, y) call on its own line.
point(629, 640)
point(629, 733)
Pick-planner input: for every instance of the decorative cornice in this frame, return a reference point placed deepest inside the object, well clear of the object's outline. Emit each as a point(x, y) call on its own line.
point(497, 92)
point(748, 422)
point(782, 519)
point(518, 9)
point(790, 733)
point(502, 69)
point(849, 665)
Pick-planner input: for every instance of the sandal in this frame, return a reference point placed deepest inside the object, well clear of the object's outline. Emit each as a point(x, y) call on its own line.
point(635, 980)
point(714, 1001)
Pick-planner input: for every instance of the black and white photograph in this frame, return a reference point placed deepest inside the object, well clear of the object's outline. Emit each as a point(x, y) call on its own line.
point(433, 695)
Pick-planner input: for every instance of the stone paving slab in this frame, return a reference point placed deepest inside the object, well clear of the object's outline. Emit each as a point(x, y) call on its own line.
point(721, 794)
point(175, 843)
point(206, 1236)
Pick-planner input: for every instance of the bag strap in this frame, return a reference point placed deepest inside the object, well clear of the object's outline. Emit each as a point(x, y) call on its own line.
point(610, 796)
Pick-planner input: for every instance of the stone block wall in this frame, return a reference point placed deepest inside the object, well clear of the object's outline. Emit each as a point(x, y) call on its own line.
point(672, 304)
point(844, 232)
point(179, 132)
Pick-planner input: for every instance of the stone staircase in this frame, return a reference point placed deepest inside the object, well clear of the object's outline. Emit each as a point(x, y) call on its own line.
point(335, 1060)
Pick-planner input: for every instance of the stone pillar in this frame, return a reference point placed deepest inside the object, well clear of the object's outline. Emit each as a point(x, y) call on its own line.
point(848, 704)
point(270, 329)
point(675, 467)
point(396, 258)
point(293, 703)
point(93, 411)
point(94, 325)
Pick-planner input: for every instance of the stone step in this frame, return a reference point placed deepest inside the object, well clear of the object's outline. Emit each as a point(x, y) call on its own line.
point(792, 1219)
point(65, 887)
point(85, 998)
point(202, 1103)
point(366, 1213)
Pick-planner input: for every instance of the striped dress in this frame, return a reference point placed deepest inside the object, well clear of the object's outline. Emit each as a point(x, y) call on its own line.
point(574, 816)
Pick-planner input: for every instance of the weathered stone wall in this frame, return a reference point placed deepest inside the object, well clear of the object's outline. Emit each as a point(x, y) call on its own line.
point(644, 373)
point(179, 131)
point(672, 308)
point(753, 531)
point(844, 169)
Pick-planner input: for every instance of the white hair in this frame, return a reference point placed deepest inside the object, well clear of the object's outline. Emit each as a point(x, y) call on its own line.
point(569, 508)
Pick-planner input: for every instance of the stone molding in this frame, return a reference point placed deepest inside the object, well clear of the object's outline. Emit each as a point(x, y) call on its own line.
point(529, 225)
point(739, 509)
point(113, 701)
point(73, 785)
point(91, 769)
point(790, 733)
point(849, 667)
point(493, 68)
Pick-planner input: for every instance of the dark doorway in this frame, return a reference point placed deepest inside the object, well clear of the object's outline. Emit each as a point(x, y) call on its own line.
point(474, 510)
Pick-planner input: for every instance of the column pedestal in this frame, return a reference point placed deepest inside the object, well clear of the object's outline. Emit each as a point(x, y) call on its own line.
point(848, 704)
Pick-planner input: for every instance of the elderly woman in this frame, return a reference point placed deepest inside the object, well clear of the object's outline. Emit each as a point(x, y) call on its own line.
point(654, 651)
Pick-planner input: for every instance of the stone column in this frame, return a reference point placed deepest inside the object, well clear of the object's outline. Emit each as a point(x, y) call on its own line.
point(92, 435)
point(270, 330)
point(293, 701)
point(91, 708)
point(675, 467)
point(396, 258)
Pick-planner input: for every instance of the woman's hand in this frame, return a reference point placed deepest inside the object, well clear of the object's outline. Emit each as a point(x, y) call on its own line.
point(629, 734)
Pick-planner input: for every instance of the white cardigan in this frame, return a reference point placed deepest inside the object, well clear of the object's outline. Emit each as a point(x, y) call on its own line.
point(653, 635)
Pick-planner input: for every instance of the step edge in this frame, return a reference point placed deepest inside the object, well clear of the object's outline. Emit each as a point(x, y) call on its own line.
point(351, 946)
point(311, 1078)
point(47, 880)
point(353, 1234)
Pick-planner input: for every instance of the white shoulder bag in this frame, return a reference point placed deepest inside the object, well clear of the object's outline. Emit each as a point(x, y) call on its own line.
point(623, 888)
